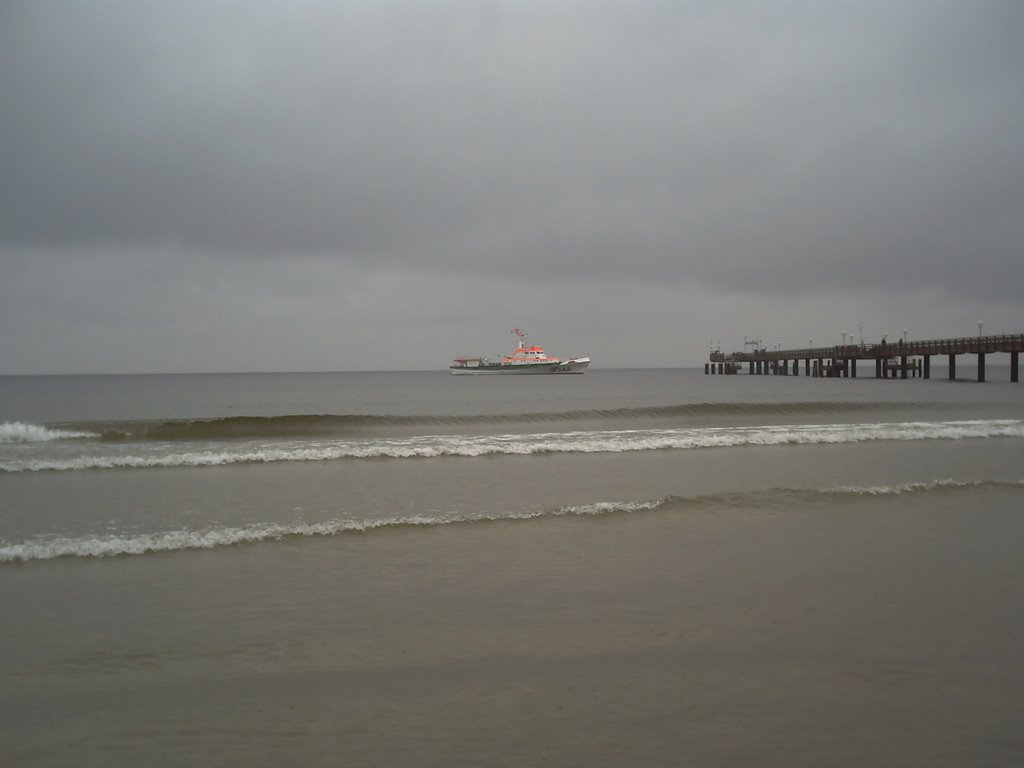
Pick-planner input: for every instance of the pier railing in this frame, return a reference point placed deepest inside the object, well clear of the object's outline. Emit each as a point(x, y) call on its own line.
point(958, 346)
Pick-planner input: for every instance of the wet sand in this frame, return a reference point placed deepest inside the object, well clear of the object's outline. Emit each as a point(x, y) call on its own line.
point(874, 632)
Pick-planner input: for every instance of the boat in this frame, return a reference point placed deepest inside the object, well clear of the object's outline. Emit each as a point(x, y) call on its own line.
point(524, 359)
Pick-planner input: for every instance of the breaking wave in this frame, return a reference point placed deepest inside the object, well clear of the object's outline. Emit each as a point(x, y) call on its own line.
point(311, 425)
point(47, 548)
point(600, 441)
point(19, 432)
point(171, 541)
point(314, 425)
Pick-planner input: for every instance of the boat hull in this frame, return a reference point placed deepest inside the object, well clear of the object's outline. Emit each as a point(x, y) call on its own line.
point(576, 365)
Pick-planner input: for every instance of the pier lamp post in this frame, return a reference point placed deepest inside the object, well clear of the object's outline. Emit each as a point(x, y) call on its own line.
point(981, 324)
point(810, 343)
point(844, 338)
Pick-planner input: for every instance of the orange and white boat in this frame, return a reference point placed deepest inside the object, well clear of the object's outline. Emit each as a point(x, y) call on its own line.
point(524, 359)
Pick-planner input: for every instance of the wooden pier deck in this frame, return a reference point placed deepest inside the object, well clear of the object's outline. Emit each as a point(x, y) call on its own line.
point(902, 359)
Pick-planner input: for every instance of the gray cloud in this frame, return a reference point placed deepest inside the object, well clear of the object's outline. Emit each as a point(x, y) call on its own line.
point(775, 148)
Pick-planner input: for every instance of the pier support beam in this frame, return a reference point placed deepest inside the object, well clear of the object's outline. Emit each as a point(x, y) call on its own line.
point(903, 366)
point(750, 367)
point(952, 367)
point(1014, 366)
point(878, 367)
point(706, 366)
point(853, 367)
point(807, 366)
point(981, 366)
point(927, 366)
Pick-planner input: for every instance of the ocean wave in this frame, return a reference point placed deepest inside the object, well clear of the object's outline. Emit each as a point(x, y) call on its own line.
point(305, 425)
point(210, 538)
point(915, 487)
point(601, 441)
point(809, 497)
point(172, 541)
point(313, 425)
point(20, 432)
point(99, 546)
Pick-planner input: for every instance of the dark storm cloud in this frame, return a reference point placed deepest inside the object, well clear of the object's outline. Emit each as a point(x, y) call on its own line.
point(782, 146)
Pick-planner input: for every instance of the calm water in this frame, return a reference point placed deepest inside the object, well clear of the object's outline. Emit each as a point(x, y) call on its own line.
point(420, 569)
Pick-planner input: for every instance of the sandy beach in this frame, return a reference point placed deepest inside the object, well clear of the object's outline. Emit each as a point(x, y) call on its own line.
point(866, 633)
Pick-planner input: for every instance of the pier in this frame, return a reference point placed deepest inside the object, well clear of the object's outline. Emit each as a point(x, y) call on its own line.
point(902, 359)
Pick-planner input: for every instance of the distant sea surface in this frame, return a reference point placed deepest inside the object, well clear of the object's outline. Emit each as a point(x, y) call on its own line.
point(623, 567)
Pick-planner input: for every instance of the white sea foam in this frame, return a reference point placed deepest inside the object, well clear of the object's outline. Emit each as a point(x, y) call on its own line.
point(601, 441)
point(171, 541)
point(47, 548)
point(597, 508)
point(607, 507)
point(902, 488)
point(19, 432)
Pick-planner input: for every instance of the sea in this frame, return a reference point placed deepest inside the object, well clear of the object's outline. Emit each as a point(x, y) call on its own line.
point(624, 567)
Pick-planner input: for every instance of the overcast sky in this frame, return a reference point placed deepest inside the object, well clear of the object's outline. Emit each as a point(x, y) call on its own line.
point(378, 185)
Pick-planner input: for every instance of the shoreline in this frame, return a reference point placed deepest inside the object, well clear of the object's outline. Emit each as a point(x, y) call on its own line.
point(875, 633)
